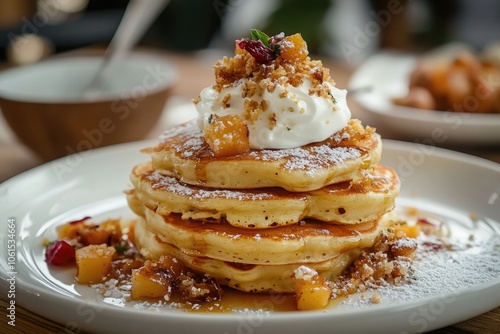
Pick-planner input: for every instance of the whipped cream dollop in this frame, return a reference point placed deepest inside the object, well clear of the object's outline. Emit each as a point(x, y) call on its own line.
point(286, 117)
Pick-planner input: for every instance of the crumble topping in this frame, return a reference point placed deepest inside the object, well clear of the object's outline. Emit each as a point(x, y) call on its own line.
point(259, 77)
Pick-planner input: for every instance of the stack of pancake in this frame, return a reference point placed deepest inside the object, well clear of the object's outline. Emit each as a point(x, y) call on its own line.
point(251, 219)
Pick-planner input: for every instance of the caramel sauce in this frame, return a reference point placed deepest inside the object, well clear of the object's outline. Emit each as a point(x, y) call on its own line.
point(235, 301)
point(307, 227)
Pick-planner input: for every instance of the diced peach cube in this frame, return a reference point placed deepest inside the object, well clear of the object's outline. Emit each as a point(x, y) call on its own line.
point(93, 263)
point(70, 230)
point(227, 135)
point(94, 235)
point(113, 227)
point(411, 231)
point(404, 247)
point(148, 284)
point(311, 289)
point(293, 47)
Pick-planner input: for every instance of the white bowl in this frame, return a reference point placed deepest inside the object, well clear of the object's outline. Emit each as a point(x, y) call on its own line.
point(49, 109)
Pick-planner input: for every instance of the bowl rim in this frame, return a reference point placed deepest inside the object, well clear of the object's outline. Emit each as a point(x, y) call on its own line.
point(153, 58)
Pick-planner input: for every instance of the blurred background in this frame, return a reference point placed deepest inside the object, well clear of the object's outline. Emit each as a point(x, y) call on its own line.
point(348, 30)
point(193, 33)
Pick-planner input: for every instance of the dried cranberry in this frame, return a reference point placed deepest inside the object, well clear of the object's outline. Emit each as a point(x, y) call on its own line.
point(60, 253)
point(258, 50)
point(75, 222)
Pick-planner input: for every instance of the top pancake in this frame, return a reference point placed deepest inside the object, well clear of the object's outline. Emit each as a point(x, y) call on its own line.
point(184, 154)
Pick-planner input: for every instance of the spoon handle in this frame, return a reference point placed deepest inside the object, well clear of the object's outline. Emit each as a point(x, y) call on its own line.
point(137, 18)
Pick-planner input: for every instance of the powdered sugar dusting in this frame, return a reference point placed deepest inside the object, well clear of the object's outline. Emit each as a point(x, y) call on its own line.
point(186, 128)
point(174, 186)
point(305, 273)
point(442, 271)
point(441, 267)
point(311, 159)
point(189, 141)
point(341, 136)
point(404, 243)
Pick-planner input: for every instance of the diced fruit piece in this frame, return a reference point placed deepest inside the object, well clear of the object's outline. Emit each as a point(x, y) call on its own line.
point(311, 289)
point(227, 135)
point(125, 266)
point(258, 50)
point(174, 266)
point(93, 263)
point(60, 253)
point(151, 281)
point(293, 47)
point(94, 235)
point(404, 247)
point(114, 228)
point(70, 230)
point(431, 226)
point(411, 231)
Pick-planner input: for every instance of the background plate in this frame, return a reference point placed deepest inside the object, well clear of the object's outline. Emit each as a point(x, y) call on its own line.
point(387, 76)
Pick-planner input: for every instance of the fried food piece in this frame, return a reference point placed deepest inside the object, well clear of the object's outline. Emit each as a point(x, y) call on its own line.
point(464, 84)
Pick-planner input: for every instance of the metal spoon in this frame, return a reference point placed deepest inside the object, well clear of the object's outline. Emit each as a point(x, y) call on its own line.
point(138, 17)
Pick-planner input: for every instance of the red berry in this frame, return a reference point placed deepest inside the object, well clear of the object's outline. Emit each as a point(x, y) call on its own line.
point(60, 253)
point(258, 50)
point(75, 222)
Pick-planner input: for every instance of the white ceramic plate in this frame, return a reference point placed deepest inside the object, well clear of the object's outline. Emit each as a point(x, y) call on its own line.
point(440, 182)
point(387, 75)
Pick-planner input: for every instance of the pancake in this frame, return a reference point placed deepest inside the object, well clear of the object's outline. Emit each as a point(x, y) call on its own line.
point(244, 277)
point(184, 154)
point(343, 203)
point(309, 241)
point(251, 190)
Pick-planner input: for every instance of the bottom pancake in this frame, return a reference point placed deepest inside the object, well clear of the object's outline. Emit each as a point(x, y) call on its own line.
point(243, 277)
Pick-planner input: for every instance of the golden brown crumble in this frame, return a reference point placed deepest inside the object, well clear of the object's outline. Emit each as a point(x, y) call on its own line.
point(264, 104)
point(376, 298)
point(225, 101)
point(252, 110)
point(229, 71)
point(247, 71)
point(272, 121)
point(354, 133)
point(388, 261)
point(250, 89)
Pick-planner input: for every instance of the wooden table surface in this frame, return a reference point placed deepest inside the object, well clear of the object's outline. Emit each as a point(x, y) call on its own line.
point(195, 74)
